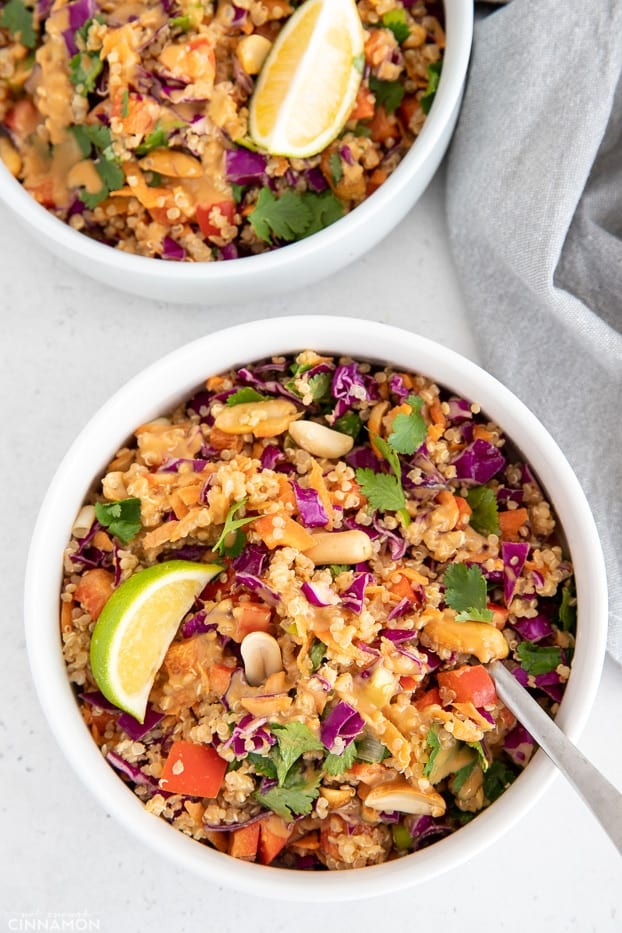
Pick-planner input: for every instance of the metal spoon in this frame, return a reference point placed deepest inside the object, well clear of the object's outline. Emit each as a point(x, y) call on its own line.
point(603, 799)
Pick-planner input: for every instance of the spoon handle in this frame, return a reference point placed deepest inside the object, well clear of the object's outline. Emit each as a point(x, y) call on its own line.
point(604, 800)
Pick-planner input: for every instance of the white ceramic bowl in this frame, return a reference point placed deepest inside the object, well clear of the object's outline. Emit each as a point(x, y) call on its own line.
point(292, 266)
point(158, 389)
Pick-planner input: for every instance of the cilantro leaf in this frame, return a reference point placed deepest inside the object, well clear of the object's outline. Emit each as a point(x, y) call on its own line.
point(82, 34)
point(337, 764)
point(350, 424)
point(121, 518)
point(465, 591)
point(389, 94)
point(395, 20)
point(319, 385)
point(84, 69)
point(568, 609)
point(112, 177)
point(92, 200)
point(317, 652)
point(156, 139)
point(497, 779)
point(293, 215)
point(293, 799)
point(245, 395)
point(481, 755)
point(484, 510)
point(262, 765)
point(95, 142)
point(97, 136)
point(390, 455)
point(434, 75)
point(110, 173)
point(461, 776)
point(232, 524)
point(335, 166)
point(538, 659)
point(382, 490)
point(293, 740)
point(286, 217)
point(434, 744)
point(184, 23)
point(19, 21)
point(325, 208)
point(409, 431)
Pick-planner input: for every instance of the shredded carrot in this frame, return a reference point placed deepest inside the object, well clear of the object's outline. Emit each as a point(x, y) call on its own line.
point(465, 511)
point(403, 409)
point(279, 530)
point(511, 521)
point(401, 588)
point(363, 105)
point(480, 433)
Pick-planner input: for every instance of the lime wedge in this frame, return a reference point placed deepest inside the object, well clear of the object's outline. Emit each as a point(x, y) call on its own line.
point(136, 627)
point(310, 79)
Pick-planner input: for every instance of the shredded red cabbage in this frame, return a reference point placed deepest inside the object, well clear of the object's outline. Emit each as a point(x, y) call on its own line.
point(480, 461)
point(551, 684)
point(459, 410)
point(172, 466)
point(132, 771)
point(137, 730)
point(197, 625)
point(251, 560)
point(171, 249)
point(243, 167)
point(354, 597)
point(397, 387)
point(312, 512)
point(397, 635)
point(350, 385)
point(404, 606)
point(514, 555)
point(340, 727)
point(534, 629)
point(397, 544)
point(424, 829)
point(316, 180)
point(364, 458)
point(96, 698)
point(271, 456)
point(505, 494)
point(257, 586)
point(518, 745)
point(269, 387)
point(249, 735)
point(319, 594)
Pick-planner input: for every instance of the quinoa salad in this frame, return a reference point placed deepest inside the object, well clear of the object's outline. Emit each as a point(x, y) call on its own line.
point(129, 121)
point(378, 541)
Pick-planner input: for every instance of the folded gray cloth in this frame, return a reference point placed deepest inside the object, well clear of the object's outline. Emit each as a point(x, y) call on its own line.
point(534, 199)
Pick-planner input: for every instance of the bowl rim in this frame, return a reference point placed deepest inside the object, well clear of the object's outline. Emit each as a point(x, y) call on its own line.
point(186, 368)
point(459, 17)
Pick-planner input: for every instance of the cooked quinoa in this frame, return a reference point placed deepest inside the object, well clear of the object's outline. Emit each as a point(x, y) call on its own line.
point(130, 121)
point(392, 544)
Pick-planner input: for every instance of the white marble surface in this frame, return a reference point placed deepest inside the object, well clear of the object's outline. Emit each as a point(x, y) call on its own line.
point(66, 344)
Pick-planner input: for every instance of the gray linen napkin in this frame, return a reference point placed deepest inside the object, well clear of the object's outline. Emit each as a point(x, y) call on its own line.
point(534, 202)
